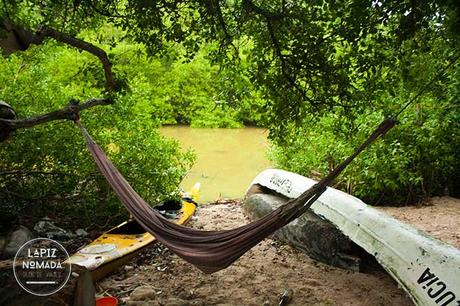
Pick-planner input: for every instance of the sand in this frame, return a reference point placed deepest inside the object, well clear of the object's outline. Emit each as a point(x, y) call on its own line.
point(157, 277)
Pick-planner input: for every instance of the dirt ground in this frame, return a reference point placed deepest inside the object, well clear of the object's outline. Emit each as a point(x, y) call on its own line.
point(260, 277)
point(440, 217)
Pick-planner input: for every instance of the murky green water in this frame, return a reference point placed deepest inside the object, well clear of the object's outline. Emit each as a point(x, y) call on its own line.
point(227, 159)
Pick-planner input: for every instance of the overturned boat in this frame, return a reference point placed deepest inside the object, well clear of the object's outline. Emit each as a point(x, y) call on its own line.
point(425, 267)
point(123, 242)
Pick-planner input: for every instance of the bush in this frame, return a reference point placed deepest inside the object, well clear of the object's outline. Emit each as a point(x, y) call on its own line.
point(417, 158)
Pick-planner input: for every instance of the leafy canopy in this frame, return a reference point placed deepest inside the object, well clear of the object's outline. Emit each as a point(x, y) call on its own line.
point(302, 53)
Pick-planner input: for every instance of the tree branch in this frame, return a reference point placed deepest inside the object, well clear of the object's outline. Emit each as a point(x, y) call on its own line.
point(284, 68)
point(250, 5)
point(20, 39)
point(220, 17)
point(42, 32)
point(70, 111)
point(269, 18)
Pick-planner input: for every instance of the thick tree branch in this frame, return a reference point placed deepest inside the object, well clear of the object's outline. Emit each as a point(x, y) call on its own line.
point(42, 32)
point(70, 111)
point(20, 39)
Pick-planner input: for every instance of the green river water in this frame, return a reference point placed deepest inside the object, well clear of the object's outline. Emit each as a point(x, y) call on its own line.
point(227, 159)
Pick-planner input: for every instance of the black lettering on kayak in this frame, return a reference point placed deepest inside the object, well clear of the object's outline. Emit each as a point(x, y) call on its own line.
point(281, 182)
point(452, 297)
point(426, 275)
point(436, 289)
point(431, 282)
point(439, 284)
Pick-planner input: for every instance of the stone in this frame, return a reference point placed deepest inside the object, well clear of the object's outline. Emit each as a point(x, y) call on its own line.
point(312, 234)
point(16, 239)
point(2, 245)
point(143, 293)
point(81, 232)
point(140, 303)
point(128, 268)
point(46, 228)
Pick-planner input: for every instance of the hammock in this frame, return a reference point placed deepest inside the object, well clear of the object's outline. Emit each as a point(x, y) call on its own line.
point(212, 251)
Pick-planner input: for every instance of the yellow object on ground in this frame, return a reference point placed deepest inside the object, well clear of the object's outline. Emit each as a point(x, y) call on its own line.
point(124, 241)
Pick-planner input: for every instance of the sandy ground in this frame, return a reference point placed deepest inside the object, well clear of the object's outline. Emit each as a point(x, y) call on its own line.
point(440, 217)
point(157, 277)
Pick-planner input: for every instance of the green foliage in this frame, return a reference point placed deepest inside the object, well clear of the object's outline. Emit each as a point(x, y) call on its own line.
point(304, 54)
point(191, 92)
point(418, 158)
point(56, 168)
point(50, 165)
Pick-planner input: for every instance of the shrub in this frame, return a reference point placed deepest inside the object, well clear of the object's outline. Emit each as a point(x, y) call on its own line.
point(417, 158)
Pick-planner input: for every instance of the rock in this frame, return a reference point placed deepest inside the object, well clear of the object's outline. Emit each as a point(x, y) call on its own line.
point(129, 268)
point(15, 240)
point(315, 236)
point(143, 293)
point(81, 232)
point(46, 228)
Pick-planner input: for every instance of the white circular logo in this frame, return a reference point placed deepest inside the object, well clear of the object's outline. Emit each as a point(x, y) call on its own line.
point(39, 266)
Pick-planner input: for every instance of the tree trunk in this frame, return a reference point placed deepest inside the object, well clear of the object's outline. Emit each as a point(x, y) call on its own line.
point(315, 236)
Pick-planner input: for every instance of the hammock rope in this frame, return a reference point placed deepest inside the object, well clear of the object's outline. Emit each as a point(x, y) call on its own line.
point(211, 251)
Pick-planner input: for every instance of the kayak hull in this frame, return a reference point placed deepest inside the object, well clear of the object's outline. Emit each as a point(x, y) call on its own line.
point(425, 267)
point(123, 242)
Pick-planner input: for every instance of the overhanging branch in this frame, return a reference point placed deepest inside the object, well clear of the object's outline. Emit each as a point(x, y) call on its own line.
point(284, 67)
point(7, 126)
point(110, 82)
point(19, 38)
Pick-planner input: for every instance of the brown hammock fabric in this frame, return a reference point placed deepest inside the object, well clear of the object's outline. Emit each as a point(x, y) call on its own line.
point(212, 251)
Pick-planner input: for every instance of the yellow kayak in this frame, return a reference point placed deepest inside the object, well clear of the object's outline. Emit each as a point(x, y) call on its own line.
point(120, 244)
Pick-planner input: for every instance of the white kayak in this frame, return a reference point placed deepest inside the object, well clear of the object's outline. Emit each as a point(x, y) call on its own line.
point(425, 267)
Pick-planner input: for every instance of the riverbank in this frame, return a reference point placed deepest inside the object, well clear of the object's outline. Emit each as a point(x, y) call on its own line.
point(157, 277)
